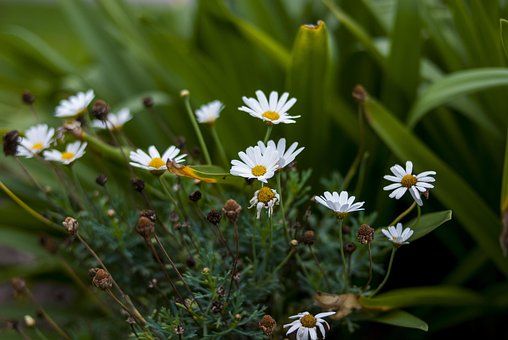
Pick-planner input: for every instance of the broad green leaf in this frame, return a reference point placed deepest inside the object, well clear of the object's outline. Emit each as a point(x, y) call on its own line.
point(503, 28)
point(28, 270)
point(476, 217)
point(456, 84)
point(401, 318)
point(22, 241)
point(422, 296)
point(428, 222)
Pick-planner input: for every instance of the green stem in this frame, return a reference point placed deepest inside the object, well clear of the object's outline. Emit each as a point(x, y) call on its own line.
point(394, 249)
point(270, 240)
point(220, 147)
point(359, 156)
point(343, 258)
point(48, 318)
point(286, 259)
point(197, 130)
point(281, 203)
point(268, 132)
point(171, 197)
point(403, 214)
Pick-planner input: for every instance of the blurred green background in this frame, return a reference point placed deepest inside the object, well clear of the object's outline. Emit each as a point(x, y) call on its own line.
point(435, 71)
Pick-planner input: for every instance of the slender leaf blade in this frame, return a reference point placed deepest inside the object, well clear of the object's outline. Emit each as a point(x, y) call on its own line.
point(401, 318)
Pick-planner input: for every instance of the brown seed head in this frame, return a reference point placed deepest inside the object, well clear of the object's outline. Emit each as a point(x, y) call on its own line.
point(101, 179)
point(349, 248)
point(365, 234)
point(309, 237)
point(148, 102)
point(214, 216)
point(148, 213)
point(267, 324)
point(71, 225)
point(100, 110)
point(195, 196)
point(145, 227)
point(179, 330)
point(11, 141)
point(217, 307)
point(27, 97)
point(101, 278)
point(232, 210)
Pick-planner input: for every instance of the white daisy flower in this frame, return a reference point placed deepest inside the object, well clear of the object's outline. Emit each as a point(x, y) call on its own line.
point(306, 325)
point(74, 105)
point(256, 164)
point(285, 156)
point(37, 138)
point(153, 161)
point(396, 235)
point(72, 152)
point(264, 198)
point(405, 180)
point(341, 203)
point(209, 113)
point(114, 121)
point(272, 111)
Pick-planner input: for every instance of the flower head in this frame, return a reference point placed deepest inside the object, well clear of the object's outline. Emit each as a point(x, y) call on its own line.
point(306, 325)
point(74, 105)
point(153, 161)
point(72, 152)
point(256, 164)
point(341, 203)
point(209, 113)
point(405, 180)
point(114, 121)
point(273, 110)
point(397, 235)
point(285, 156)
point(264, 198)
point(37, 138)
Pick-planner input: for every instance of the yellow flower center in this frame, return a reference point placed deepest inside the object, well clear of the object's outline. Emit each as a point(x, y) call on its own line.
point(408, 181)
point(265, 195)
point(37, 146)
point(66, 156)
point(156, 162)
point(308, 321)
point(259, 170)
point(341, 215)
point(272, 115)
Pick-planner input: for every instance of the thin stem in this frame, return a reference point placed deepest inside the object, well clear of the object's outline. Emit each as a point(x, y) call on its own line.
point(270, 240)
point(197, 130)
point(268, 132)
point(403, 214)
point(46, 316)
point(235, 261)
point(394, 249)
point(286, 259)
point(370, 267)
point(222, 153)
point(318, 263)
point(281, 203)
point(343, 258)
point(171, 197)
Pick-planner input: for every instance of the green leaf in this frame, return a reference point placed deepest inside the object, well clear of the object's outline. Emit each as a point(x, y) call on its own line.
point(428, 223)
point(503, 27)
point(476, 217)
point(422, 296)
point(503, 238)
point(22, 241)
point(456, 84)
point(401, 319)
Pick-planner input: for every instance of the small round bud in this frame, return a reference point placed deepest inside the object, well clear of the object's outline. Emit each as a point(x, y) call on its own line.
point(11, 142)
point(148, 213)
point(195, 196)
point(152, 283)
point(365, 234)
point(101, 179)
point(100, 110)
point(71, 225)
point(148, 102)
point(238, 316)
point(27, 97)
point(138, 184)
point(217, 307)
point(309, 237)
point(205, 270)
point(29, 321)
point(179, 330)
point(214, 216)
point(111, 212)
point(349, 248)
point(232, 210)
point(184, 93)
point(145, 227)
point(221, 291)
point(101, 278)
point(293, 243)
point(267, 324)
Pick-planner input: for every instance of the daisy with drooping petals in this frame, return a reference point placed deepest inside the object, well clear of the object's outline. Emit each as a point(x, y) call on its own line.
point(341, 203)
point(305, 326)
point(37, 138)
point(264, 198)
point(405, 180)
point(114, 121)
point(153, 161)
point(285, 156)
point(72, 152)
point(272, 110)
point(256, 164)
point(210, 112)
point(397, 235)
point(74, 105)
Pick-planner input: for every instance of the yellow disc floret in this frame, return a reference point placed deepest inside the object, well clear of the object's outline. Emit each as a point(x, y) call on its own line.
point(37, 146)
point(67, 155)
point(408, 181)
point(265, 195)
point(258, 170)
point(271, 115)
point(156, 162)
point(308, 321)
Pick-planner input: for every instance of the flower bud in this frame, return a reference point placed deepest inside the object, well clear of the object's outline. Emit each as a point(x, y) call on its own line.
point(71, 225)
point(101, 278)
point(148, 213)
point(11, 141)
point(27, 97)
point(101, 179)
point(145, 227)
point(267, 325)
point(349, 248)
point(19, 286)
point(195, 196)
point(214, 216)
point(232, 210)
point(100, 110)
point(148, 102)
point(309, 237)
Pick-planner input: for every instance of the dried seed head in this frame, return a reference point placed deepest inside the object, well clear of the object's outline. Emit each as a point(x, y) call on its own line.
point(138, 184)
point(267, 324)
point(309, 237)
point(101, 179)
point(148, 213)
point(11, 141)
point(214, 216)
point(349, 248)
point(152, 283)
point(101, 278)
point(195, 196)
point(100, 110)
point(179, 330)
point(148, 102)
point(232, 210)
point(217, 307)
point(365, 234)
point(27, 97)
point(145, 227)
point(71, 225)
point(19, 286)
point(221, 291)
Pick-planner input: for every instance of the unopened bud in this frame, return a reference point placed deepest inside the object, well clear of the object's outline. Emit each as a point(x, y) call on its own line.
point(100, 110)
point(232, 210)
point(309, 237)
point(101, 179)
point(11, 142)
point(349, 248)
point(29, 321)
point(293, 243)
point(148, 213)
point(145, 227)
point(184, 93)
point(27, 97)
point(19, 286)
point(71, 225)
point(214, 217)
point(148, 102)
point(195, 196)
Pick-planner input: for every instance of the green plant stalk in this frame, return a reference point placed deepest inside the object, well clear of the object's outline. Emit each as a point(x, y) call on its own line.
point(270, 240)
point(394, 249)
point(403, 214)
point(286, 259)
point(171, 197)
point(281, 203)
point(268, 132)
point(197, 130)
point(343, 258)
point(219, 145)
point(360, 153)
